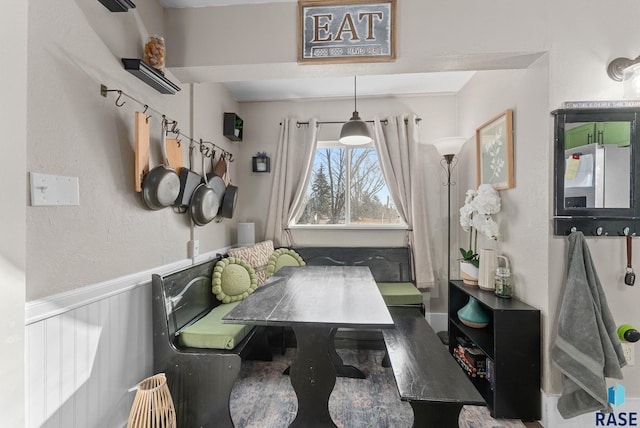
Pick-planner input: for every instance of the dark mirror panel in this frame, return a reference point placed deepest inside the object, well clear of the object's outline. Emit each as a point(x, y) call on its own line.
point(596, 168)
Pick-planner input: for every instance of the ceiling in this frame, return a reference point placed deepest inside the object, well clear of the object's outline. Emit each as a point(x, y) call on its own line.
point(328, 86)
point(203, 3)
point(335, 87)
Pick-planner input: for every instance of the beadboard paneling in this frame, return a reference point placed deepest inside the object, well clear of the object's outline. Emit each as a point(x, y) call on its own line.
point(81, 363)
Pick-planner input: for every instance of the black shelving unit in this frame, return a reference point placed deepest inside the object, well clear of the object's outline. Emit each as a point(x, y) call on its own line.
point(512, 342)
point(118, 5)
point(262, 164)
point(232, 126)
point(150, 76)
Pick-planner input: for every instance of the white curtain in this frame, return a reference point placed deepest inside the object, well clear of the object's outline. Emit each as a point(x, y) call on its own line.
point(292, 171)
point(397, 147)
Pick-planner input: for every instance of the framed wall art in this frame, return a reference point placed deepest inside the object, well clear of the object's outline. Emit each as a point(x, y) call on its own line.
point(494, 151)
point(346, 31)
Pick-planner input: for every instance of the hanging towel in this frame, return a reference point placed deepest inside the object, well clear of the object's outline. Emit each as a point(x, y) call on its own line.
point(587, 348)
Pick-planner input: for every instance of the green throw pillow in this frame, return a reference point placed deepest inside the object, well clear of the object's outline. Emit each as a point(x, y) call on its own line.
point(283, 257)
point(233, 279)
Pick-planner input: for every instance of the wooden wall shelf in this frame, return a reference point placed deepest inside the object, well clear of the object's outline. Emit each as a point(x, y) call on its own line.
point(118, 5)
point(150, 76)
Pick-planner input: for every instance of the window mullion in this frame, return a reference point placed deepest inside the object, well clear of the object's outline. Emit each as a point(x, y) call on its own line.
point(347, 196)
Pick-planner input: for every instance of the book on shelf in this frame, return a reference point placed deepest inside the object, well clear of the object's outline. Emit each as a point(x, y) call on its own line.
point(474, 368)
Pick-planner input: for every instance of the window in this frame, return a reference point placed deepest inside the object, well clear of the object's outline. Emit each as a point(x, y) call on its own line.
point(337, 168)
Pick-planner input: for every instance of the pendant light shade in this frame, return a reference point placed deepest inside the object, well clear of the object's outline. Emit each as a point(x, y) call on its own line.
point(356, 131)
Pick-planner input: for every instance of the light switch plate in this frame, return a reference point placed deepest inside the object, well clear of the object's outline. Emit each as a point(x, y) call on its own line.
point(52, 190)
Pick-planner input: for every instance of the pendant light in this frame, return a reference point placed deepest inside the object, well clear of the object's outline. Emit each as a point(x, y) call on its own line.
point(355, 132)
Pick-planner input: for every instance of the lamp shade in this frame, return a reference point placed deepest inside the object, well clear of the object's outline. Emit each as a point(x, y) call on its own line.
point(355, 132)
point(449, 145)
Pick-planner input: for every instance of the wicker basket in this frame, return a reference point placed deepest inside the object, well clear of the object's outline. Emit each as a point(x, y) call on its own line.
point(152, 406)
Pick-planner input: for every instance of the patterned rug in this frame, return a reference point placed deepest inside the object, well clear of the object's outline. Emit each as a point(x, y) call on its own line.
point(264, 398)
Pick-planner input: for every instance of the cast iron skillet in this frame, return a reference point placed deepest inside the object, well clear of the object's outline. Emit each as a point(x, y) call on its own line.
point(228, 205)
point(189, 180)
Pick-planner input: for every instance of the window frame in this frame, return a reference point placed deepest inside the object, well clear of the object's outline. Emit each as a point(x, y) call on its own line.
point(348, 226)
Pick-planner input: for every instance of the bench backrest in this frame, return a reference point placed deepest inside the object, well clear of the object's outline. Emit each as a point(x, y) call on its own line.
point(387, 264)
point(186, 295)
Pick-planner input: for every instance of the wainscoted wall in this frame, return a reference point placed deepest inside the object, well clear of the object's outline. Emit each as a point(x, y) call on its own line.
point(86, 348)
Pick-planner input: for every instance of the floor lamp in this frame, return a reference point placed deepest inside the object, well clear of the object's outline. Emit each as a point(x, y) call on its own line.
point(448, 148)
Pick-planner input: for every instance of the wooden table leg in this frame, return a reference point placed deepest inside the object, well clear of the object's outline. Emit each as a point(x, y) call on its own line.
point(313, 377)
point(342, 369)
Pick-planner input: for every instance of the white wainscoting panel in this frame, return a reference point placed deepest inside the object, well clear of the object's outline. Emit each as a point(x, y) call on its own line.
point(86, 348)
point(81, 363)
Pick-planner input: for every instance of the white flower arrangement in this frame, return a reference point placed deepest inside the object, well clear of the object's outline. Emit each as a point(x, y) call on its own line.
point(479, 206)
point(475, 216)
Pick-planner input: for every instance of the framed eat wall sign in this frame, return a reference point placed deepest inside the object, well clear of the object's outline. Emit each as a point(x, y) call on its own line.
point(346, 31)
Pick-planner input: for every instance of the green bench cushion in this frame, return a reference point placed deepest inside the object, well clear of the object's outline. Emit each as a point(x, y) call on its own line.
point(210, 332)
point(400, 293)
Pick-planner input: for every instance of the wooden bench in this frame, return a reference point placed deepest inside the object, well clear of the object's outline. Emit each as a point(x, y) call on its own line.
point(391, 268)
point(426, 374)
point(200, 379)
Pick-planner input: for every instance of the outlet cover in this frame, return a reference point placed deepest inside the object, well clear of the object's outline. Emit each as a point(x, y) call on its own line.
point(628, 353)
point(193, 249)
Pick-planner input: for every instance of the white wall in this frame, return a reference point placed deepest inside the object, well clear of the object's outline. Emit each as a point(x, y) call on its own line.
point(13, 117)
point(438, 113)
point(74, 131)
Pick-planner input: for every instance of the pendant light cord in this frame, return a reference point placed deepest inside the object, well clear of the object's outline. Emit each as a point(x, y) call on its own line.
point(355, 92)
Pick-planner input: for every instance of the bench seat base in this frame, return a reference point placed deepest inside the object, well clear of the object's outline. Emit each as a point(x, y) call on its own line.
point(426, 374)
point(434, 414)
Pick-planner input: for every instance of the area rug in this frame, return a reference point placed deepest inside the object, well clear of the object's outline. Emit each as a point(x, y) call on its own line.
point(264, 398)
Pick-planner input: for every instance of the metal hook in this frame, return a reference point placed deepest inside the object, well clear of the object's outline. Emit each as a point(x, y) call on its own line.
point(230, 157)
point(118, 99)
point(146, 107)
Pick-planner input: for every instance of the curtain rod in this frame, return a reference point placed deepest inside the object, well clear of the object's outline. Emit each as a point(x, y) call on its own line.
point(384, 121)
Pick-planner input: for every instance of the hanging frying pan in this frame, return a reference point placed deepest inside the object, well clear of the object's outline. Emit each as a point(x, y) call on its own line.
point(229, 201)
point(216, 181)
point(189, 181)
point(161, 185)
point(204, 203)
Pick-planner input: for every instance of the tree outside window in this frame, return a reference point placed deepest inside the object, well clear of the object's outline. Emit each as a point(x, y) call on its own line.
point(337, 168)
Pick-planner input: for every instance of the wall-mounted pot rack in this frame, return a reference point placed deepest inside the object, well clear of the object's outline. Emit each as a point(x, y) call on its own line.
point(172, 125)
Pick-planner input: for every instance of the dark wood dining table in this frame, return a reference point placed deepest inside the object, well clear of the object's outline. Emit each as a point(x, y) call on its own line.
point(315, 301)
